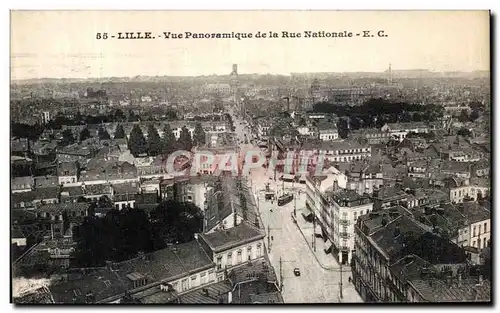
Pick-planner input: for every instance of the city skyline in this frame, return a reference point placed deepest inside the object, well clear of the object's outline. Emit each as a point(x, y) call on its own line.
point(40, 48)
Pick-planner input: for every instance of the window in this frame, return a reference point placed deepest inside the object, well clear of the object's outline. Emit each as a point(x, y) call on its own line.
point(203, 278)
point(473, 243)
point(107, 283)
point(259, 250)
point(249, 252)
point(229, 258)
point(485, 228)
point(474, 232)
point(219, 262)
point(211, 275)
point(193, 281)
point(239, 256)
point(175, 285)
point(185, 284)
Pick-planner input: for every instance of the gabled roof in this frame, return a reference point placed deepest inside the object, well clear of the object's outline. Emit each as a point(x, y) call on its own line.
point(233, 237)
point(57, 208)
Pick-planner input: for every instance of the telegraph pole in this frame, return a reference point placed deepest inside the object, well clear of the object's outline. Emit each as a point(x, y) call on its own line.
point(268, 238)
point(281, 275)
point(341, 285)
point(295, 205)
point(314, 232)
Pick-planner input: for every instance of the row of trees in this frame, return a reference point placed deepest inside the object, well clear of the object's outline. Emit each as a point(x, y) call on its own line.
point(377, 112)
point(116, 116)
point(34, 131)
point(68, 137)
point(121, 235)
point(155, 145)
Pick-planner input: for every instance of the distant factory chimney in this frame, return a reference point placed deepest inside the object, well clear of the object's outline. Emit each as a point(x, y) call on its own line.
point(389, 79)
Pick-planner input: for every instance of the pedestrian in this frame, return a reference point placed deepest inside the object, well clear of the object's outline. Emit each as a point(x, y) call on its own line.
point(350, 279)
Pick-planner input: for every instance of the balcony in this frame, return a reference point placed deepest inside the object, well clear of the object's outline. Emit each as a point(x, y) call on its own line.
point(344, 222)
point(344, 235)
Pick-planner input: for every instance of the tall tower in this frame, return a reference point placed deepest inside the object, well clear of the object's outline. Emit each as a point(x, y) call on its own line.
point(315, 90)
point(234, 83)
point(235, 70)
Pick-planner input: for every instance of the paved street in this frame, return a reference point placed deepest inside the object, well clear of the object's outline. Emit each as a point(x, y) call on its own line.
point(320, 275)
point(319, 281)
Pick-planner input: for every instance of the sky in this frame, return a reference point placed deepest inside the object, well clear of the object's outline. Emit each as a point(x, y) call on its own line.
point(63, 44)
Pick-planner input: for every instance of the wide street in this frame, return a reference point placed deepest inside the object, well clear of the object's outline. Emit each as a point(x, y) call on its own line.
point(319, 281)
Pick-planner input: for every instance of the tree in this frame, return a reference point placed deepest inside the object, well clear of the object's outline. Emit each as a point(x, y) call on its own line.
point(185, 141)
point(168, 141)
point(79, 118)
point(199, 136)
point(104, 202)
point(119, 115)
point(84, 134)
point(474, 115)
point(67, 137)
point(176, 221)
point(118, 236)
point(137, 142)
point(154, 141)
point(103, 134)
point(464, 132)
point(464, 117)
point(132, 117)
point(119, 132)
point(81, 199)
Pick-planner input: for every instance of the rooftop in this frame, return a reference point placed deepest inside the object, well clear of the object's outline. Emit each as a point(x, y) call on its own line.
point(57, 208)
point(437, 290)
point(233, 237)
point(166, 264)
point(90, 287)
point(211, 296)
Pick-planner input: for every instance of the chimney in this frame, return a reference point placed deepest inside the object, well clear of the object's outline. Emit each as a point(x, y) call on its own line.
point(141, 255)
point(109, 265)
point(397, 232)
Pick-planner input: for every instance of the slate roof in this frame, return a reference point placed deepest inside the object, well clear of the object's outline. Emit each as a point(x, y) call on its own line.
point(436, 290)
point(386, 239)
point(233, 237)
point(214, 290)
point(409, 267)
point(231, 201)
point(390, 192)
point(103, 284)
point(167, 264)
point(125, 188)
point(61, 207)
point(19, 182)
point(47, 193)
point(46, 181)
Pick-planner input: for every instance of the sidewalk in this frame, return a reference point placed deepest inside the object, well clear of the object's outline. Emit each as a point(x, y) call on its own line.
point(326, 261)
